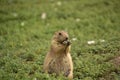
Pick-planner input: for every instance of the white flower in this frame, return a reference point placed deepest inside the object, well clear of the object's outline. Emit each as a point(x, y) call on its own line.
point(22, 23)
point(35, 78)
point(74, 39)
point(43, 16)
point(77, 20)
point(91, 42)
point(15, 14)
point(65, 42)
point(102, 40)
point(59, 3)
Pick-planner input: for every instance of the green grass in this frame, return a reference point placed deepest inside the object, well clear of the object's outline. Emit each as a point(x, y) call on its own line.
point(25, 37)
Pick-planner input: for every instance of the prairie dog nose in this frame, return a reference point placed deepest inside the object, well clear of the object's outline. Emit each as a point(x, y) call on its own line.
point(66, 38)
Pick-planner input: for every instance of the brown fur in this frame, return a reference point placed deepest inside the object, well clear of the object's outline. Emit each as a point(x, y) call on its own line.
point(58, 60)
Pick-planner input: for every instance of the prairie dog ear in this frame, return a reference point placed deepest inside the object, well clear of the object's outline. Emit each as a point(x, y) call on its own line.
point(55, 32)
point(58, 32)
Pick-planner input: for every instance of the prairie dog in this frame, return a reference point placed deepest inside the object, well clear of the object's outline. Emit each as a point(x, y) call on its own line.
point(58, 60)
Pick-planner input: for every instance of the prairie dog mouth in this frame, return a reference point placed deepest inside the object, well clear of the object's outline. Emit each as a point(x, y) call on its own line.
point(66, 42)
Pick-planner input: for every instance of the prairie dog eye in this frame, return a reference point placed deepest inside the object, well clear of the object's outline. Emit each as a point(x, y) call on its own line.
point(60, 33)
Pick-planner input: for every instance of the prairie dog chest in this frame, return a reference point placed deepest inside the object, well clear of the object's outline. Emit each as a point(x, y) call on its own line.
point(59, 61)
point(59, 64)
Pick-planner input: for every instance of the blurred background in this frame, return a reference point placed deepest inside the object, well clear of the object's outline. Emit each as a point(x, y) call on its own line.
point(27, 26)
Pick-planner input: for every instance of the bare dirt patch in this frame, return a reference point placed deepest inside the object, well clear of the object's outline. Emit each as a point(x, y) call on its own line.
point(110, 75)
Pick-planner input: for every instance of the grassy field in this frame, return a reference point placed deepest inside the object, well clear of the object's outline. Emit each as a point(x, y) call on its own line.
point(27, 26)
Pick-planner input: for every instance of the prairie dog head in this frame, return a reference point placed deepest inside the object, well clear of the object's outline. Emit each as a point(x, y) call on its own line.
point(62, 37)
